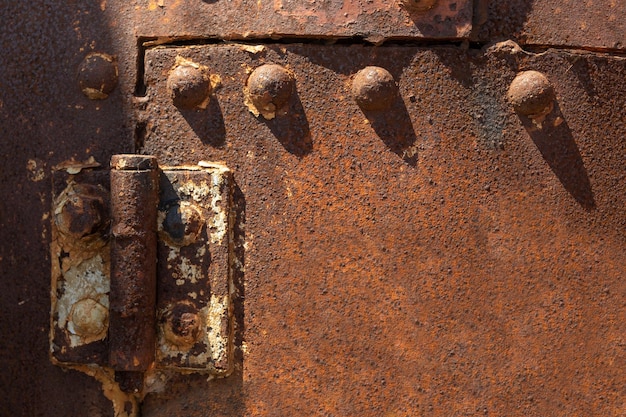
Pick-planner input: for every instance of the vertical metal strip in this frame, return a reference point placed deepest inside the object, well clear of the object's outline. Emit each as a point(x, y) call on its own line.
point(132, 328)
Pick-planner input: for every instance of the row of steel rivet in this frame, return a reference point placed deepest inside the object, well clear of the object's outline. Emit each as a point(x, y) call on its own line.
point(270, 86)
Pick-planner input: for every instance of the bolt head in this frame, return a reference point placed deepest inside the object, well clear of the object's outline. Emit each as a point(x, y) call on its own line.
point(269, 89)
point(531, 94)
point(374, 88)
point(88, 319)
point(418, 5)
point(182, 325)
point(82, 211)
point(189, 86)
point(97, 75)
point(182, 224)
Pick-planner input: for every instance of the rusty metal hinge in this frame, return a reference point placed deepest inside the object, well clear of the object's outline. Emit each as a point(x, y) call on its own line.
point(141, 273)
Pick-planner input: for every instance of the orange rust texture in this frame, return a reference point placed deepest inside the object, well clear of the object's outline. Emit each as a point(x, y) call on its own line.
point(444, 257)
point(240, 19)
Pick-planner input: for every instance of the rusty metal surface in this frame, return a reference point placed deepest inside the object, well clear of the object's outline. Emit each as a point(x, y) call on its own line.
point(374, 20)
point(594, 25)
point(194, 252)
point(475, 273)
point(445, 256)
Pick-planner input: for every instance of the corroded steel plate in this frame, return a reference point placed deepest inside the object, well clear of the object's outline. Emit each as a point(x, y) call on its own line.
point(442, 257)
point(239, 19)
point(587, 24)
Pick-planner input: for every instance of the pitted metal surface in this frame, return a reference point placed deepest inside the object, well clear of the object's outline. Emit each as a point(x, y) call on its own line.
point(446, 256)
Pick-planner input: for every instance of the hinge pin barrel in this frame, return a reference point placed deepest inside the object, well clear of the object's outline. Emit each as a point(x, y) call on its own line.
point(132, 328)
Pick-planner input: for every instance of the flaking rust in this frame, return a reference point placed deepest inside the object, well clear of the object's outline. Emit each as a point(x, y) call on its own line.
point(194, 308)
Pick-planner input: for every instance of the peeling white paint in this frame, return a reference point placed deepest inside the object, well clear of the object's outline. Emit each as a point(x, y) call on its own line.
point(88, 279)
point(217, 314)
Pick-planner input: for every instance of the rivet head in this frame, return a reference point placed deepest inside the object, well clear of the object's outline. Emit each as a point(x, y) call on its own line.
point(269, 89)
point(182, 325)
point(81, 211)
point(97, 75)
point(374, 88)
point(88, 319)
point(418, 5)
point(531, 94)
point(182, 223)
point(189, 85)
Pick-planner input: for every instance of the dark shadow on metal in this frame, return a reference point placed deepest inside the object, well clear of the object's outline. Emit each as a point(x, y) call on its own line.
point(239, 238)
point(207, 124)
point(558, 147)
point(499, 19)
point(394, 127)
point(292, 129)
point(431, 23)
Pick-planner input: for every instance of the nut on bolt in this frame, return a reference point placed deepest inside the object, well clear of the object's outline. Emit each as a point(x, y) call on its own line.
point(97, 75)
point(182, 325)
point(81, 211)
point(268, 90)
point(181, 224)
point(531, 94)
point(189, 85)
point(374, 88)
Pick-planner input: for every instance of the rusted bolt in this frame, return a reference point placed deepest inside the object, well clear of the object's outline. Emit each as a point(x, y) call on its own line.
point(418, 5)
point(88, 319)
point(182, 223)
point(81, 211)
point(97, 75)
point(182, 325)
point(531, 94)
point(374, 88)
point(189, 85)
point(268, 89)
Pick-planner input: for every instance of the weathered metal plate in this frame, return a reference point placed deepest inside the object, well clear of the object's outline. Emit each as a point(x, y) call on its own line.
point(80, 252)
point(248, 19)
point(590, 24)
point(444, 257)
point(195, 235)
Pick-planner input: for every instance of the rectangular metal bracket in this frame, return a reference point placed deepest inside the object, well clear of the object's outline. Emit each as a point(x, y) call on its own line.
point(141, 271)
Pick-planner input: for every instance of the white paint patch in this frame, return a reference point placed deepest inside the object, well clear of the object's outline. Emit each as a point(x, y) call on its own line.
point(89, 279)
point(216, 318)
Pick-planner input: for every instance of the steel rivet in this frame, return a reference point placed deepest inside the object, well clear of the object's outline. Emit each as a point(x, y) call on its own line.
point(418, 5)
point(189, 85)
point(374, 88)
point(531, 94)
point(97, 75)
point(89, 319)
point(268, 90)
point(182, 325)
